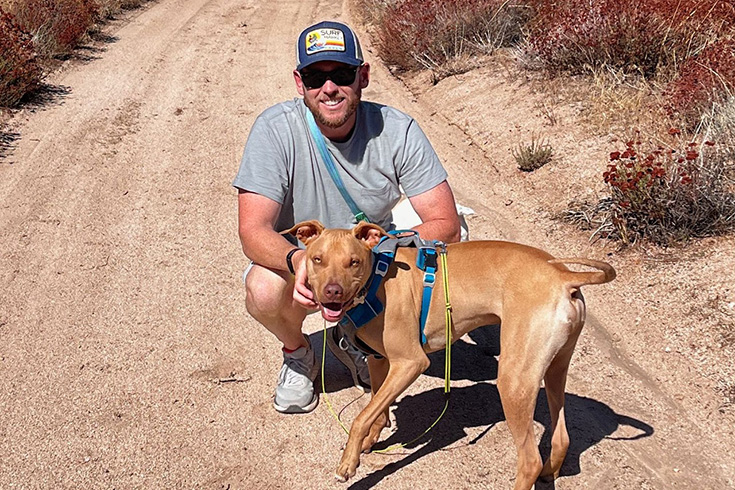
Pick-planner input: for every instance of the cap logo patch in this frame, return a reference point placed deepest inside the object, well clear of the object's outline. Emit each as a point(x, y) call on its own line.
point(320, 40)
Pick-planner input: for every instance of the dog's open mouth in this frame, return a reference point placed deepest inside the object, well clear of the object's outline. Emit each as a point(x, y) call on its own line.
point(333, 312)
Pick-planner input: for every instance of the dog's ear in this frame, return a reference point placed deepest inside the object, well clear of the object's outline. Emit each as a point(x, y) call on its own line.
point(369, 233)
point(305, 231)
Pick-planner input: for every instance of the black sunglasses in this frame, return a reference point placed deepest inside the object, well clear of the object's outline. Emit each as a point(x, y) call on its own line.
point(342, 76)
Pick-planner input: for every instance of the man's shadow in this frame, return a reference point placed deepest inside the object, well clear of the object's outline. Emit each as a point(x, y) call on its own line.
point(588, 421)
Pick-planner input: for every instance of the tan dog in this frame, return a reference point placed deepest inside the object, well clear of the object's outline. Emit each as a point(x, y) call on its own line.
point(535, 297)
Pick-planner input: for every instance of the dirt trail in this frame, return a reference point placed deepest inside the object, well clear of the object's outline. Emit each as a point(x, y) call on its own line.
point(126, 357)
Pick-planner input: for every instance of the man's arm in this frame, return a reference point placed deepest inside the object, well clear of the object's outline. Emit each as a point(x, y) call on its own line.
point(265, 246)
point(438, 214)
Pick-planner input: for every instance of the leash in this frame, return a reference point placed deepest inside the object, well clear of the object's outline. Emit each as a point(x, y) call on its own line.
point(447, 361)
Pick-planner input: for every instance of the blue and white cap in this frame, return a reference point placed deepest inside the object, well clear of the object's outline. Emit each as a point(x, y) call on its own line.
point(328, 41)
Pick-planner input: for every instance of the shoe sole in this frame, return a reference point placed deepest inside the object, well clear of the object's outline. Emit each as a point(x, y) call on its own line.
point(297, 409)
point(345, 359)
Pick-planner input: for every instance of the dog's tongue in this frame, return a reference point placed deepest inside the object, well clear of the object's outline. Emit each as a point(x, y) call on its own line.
point(332, 312)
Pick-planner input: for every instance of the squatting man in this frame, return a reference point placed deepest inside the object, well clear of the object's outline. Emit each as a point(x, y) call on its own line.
point(378, 152)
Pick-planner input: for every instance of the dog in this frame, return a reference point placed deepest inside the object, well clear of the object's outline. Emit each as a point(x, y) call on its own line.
point(535, 297)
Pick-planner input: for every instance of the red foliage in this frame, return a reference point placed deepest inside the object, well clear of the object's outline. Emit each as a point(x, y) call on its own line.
point(58, 25)
point(417, 33)
point(20, 72)
point(633, 35)
point(704, 79)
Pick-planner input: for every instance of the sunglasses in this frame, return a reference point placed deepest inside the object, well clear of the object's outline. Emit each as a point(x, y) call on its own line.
point(342, 76)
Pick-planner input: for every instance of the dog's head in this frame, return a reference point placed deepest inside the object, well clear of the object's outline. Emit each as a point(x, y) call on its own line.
point(338, 263)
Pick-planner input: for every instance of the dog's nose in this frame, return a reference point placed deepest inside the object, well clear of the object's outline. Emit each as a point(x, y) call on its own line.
point(333, 292)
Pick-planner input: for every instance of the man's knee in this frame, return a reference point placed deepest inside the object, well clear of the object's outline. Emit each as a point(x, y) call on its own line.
point(267, 292)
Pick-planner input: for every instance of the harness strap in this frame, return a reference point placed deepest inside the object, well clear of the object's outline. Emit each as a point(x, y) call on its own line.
point(332, 169)
point(427, 255)
point(371, 306)
point(383, 254)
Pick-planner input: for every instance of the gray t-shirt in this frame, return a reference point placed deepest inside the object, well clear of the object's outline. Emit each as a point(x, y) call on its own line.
point(386, 149)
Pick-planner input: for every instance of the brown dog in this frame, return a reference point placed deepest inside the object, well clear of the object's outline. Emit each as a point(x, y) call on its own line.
point(534, 296)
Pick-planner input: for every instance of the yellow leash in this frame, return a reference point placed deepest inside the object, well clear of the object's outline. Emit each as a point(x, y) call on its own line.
point(447, 361)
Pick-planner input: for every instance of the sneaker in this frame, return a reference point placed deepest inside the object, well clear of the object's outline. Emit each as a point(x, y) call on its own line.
point(350, 356)
point(295, 389)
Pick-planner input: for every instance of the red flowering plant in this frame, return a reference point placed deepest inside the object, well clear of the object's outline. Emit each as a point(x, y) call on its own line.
point(667, 193)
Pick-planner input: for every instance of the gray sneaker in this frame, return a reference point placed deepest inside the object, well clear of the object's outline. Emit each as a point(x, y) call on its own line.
point(295, 389)
point(350, 356)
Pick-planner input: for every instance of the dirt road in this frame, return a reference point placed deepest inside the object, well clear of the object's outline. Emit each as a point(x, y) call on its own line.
point(127, 359)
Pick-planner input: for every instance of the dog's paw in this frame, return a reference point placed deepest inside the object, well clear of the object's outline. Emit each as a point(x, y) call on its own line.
point(345, 471)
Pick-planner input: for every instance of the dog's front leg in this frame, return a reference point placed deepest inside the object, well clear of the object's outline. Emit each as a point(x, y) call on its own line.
point(400, 376)
point(378, 372)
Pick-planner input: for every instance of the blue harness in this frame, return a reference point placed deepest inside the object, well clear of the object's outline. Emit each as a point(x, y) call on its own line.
point(383, 254)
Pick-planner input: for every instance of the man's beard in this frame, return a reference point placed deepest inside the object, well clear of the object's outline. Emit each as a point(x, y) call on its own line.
point(313, 106)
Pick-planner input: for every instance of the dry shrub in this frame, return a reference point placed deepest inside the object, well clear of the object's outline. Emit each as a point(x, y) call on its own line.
point(57, 25)
point(633, 35)
point(372, 11)
point(417, 34)
point(109, 8)
point(719, 125)
point(20, 72)
point(704, 79)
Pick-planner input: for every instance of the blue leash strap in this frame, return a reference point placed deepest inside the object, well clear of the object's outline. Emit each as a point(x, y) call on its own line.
point(332, 169)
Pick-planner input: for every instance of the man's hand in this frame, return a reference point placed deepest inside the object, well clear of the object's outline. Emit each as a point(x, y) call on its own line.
point(302, 293)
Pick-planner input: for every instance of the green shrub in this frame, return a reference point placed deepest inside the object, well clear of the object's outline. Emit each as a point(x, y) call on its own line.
point(532, 156)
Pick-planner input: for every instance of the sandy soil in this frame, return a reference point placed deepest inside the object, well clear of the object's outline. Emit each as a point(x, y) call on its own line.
point(127, 359)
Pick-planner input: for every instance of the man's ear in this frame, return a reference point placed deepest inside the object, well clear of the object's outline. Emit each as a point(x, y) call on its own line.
point(364, 75)
point(305, 231)
point(369, 233)
point(299, 82)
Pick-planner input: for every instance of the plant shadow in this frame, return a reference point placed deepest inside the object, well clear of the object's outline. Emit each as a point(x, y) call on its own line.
point(588, 421)
point(7, 142)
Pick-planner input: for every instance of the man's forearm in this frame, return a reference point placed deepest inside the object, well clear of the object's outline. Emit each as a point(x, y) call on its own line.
point(266, 248)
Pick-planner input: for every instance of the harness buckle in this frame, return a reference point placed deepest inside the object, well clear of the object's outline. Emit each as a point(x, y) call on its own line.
point(429, 279)
point(381, 267)
point(426, 258)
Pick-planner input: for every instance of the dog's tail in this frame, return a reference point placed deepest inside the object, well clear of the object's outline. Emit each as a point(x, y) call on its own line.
point(606, 272)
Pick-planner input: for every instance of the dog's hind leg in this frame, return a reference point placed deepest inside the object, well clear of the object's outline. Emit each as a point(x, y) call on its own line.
point(519, 381)
point(555, 382)
point(401, 374)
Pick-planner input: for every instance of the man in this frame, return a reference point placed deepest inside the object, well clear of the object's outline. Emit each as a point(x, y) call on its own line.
point(283, 180)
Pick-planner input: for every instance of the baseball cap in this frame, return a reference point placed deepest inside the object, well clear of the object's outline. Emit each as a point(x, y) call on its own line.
point(328, 41)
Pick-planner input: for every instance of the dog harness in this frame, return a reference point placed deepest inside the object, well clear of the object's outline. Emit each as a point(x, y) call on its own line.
point(368, 306)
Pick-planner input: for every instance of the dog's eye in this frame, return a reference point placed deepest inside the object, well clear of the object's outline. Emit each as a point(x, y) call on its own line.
point(317, 260)
point(355, 262)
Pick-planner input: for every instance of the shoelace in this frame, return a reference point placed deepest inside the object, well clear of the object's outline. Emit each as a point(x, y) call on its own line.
point(294, 369)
